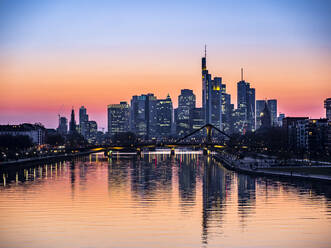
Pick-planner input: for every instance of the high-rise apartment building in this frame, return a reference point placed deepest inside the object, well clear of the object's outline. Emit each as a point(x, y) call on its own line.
point(118, 118)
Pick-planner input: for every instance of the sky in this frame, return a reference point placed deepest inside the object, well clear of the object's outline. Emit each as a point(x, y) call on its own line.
point(55, 55)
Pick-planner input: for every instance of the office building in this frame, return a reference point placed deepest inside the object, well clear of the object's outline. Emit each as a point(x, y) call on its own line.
point(211, 96)
point(226, 109)
point(186, 103)
point(297, 132)
point(245, 106)
point(260, 104)
point(327, 106)
point(143, 116)
point(83, 120)
point(118, 118)
point(92, 131)
point(164, 111)
point(272, 105)
point(35, 131)
point(280, 119)
point(63, 126)
point(197, 119)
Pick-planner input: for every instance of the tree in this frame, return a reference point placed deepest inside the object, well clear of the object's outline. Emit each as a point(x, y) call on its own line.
point(76, 140)
point(54, 139)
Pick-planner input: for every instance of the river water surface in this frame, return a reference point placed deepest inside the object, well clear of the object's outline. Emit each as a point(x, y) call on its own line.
point(158, 200)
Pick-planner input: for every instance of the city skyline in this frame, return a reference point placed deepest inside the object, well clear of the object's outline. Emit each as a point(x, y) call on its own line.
point(87, 63)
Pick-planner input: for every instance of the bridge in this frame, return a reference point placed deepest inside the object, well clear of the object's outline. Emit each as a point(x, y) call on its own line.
point(207, 145)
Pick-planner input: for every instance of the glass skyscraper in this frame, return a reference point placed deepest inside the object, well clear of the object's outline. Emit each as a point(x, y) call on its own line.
point(83, 122)
point(245, 106)
point(143, 116)
point(164, 117)
point(211, 97)
point(272, 105)
point(186, 103)
point(118, 118)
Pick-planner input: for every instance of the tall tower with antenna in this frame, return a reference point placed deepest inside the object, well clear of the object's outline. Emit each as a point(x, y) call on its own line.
point(211, 95)
point(206, 78)
point(245, 105)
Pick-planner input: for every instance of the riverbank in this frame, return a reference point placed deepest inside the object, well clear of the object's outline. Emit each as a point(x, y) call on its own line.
point(52, 158)
point(304, 172)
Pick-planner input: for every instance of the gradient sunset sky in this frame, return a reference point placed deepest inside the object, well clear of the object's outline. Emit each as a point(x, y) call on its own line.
point(59, 54)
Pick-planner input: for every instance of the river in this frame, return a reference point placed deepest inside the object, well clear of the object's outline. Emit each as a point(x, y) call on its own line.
point(158, 200)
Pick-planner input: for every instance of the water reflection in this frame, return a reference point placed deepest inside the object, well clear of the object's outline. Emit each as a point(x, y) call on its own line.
point(187, 200)
point(151, 175)
point(216, 183)
point(246, 197)
point(187, 175)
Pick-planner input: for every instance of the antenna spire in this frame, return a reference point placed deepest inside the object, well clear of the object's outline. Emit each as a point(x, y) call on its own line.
point(205, 51)
point(242, 74)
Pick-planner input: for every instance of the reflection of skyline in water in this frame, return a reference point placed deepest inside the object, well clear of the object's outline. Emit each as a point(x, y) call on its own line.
point(198, 185)
point(216, 182)
point(187, 177)
point(246, 196)
point(151, 174)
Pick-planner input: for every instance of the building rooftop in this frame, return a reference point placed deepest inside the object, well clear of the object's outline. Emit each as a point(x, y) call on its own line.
point(21, 127)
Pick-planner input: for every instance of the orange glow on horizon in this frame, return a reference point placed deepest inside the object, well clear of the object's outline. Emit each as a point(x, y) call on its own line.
point(45, 83)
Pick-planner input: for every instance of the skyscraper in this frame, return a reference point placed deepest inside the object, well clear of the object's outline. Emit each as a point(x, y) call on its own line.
point(265, 117)
point(272, 107)
point(280, 119)
point(226, 109)
point(143, 116)
point(63, 126)
point(272, 104)
point(92, 128)
point(260, 104)
point(72, 124)
point(186, 102)
point(211, 96)
point(197, 119)
point(245, 106)
point(327, 106)
point(118, 118)
point(83, 120)
point(164, 117)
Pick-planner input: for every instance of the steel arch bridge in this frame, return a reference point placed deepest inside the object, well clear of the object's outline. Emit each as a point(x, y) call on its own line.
point(207, 145)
